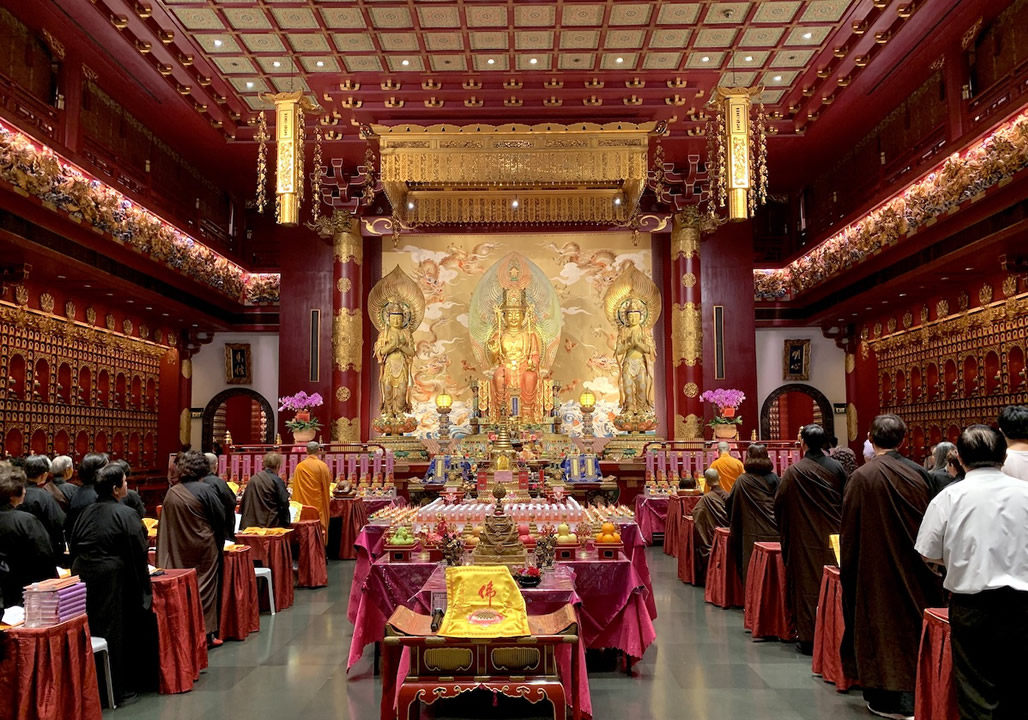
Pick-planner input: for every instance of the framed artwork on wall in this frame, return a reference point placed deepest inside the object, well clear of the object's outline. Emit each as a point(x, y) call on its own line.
point(238, 368)
point(796, 360)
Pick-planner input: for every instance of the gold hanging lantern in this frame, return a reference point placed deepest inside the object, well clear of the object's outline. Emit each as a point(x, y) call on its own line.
point(737, 153)
point(290, 146)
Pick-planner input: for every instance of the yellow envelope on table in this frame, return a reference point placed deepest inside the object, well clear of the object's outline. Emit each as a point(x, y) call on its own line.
point(483, 602)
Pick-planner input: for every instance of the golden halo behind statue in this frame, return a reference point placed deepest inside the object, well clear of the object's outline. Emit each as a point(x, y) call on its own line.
point(396, 292)
point(632, 290)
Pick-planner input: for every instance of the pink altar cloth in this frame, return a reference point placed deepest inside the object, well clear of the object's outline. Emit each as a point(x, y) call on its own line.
point(651, 514)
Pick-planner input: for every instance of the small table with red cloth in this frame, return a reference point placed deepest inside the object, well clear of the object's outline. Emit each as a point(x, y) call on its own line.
point(651, 515)
point(766, 612)
point(935, 696)
point(686, 566)
point(678, 506)
point(181, 634)
point(48, 673)
point(828, 631)
point(635, 550)
point(240, 610)
point(308, 537)
point(724, 587)
point(272, 551)
point(353, 513)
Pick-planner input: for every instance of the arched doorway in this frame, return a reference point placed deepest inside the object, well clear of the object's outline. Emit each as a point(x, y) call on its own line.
point(790, 407)
point(244, 412)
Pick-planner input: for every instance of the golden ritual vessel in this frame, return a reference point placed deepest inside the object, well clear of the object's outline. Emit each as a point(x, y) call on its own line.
point(500, 544)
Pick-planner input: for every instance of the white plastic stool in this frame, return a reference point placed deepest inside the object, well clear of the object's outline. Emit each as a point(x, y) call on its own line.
point(100, 646)
point(263, 572)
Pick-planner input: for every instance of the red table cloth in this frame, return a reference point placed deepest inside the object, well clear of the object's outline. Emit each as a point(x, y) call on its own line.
point(308, 512)
point(724, 588)
point(686, 569)
point(354, 515)
point(272, 551)
point(651, 515)
point(935, 697)
point(48, 673)
point(828, 631)
point(181, 635)
point(240, 610)
point(635, 550)
point(677, 508)
point(307, 535)
point(766, 612)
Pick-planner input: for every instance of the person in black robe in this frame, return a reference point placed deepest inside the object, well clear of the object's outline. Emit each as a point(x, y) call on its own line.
point(26, 555)
point(751, 507)
point(266, 499)
point(85, 496)
point(886, 584)
point(808, 509)
point(191, 534)
point(708, 515)
point(939, 476)
point(61, 470)
point(109, 553)
point(42, 504)
point(225, 494)
point(132, 498)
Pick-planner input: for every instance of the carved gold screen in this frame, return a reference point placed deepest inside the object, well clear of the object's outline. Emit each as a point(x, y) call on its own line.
point(581, 266)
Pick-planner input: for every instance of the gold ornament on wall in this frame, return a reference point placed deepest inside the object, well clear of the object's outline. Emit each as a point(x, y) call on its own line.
point(343, 393)
point(851, 422)
point(69, 310)
point(891, 324)
point(46, 302)
point(691, 390)
point(851, 363)
point(1010, 285)
point(689, 427)
point(144, 331)
point(347, 340)
point(924, 314)
point(344, 285)
point(689, 280)
point(186, 367)
point(126, 326)
point(985, 294)
point(963, 300)
point(346, 430)
point(941, 309)
point(91, 315)
point(109, 321)
point(686, 333)
point(878, 330)
point(908, 320)
point(21, 295)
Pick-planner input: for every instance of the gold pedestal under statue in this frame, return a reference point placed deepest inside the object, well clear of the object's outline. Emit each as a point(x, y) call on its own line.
point(499, 544)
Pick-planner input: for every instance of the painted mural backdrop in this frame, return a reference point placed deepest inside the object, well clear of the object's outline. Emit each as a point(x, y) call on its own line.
point(580, 265)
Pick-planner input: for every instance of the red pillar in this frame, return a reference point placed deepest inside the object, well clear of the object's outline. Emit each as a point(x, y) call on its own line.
point(686, 327)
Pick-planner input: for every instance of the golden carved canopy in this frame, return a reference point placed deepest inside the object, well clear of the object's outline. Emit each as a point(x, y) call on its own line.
point(450, 174)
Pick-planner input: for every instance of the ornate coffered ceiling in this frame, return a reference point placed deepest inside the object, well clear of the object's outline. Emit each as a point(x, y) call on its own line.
point(401, 60)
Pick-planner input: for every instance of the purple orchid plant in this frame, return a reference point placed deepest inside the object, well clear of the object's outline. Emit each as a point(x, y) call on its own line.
point(300, 401)
point(724, 398)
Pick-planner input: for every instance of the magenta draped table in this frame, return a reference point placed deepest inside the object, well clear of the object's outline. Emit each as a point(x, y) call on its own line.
point(766, 612)
point(651, 515)
point(935, 695)
point(828, 631)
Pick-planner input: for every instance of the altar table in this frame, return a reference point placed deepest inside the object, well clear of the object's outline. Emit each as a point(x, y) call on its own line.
point(181, 635)
point(724, 588)
point(48, 673)
point(272, 551)
point(651, 515)
point(313, 565)
point(766, 612)
point(678, 506)
point(353, 513)
point(935, 696)
point(240, 609)
point(828, 630)
point(686, 566)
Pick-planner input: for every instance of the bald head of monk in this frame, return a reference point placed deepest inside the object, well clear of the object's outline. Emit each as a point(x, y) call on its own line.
point(712, 478)
point(313, 448)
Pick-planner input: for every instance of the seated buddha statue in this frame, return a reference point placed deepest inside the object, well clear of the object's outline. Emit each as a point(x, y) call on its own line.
point(514, 351)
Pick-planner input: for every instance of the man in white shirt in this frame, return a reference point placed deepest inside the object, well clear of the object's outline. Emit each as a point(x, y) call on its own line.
point(978, 529)
point(1013, 422)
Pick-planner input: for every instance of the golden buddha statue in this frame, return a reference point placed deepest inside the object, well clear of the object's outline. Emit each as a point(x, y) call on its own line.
point(633, 303)
point(397, 307)
point(514, 350)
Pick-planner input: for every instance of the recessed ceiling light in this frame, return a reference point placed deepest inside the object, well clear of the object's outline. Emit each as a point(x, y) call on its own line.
point(130, 301)
point(748, 58)
point(62, 277)
point(87, 286)
point(705, 59)
point(149, 307)
point(868, 307)
point(969, 268)
point(944, 277)
point(490, 61)
point(277, 64)
point(217, 43)
point(885, 302)
point(777, 78)
point(619, 60)
point(164, 314)
point(903, 294)
point(249, 84)
point(405, 63)
point(514, 204)
point(410, 204)
point(807, 35)
point(533, 61)
point(110, 294)
point(853, 314)
point(195, 325)
point(320, 63)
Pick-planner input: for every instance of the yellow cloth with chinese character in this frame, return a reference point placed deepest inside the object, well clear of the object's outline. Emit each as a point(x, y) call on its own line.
point(483, 602)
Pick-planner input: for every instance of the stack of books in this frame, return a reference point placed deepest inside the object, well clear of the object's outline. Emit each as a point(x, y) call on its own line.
point(54, 601)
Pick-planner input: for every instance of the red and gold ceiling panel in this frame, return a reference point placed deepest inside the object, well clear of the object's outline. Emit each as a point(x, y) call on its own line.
point(380, 60)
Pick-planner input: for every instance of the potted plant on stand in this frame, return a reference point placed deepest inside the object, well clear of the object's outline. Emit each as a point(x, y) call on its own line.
point(303, 426)
point(726, 423)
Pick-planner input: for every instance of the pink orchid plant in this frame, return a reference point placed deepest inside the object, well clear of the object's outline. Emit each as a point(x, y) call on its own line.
point(727, 401)
point(300, 401)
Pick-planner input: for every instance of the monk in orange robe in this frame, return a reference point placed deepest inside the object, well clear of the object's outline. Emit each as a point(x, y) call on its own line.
point(311, 483)
point(728, 467)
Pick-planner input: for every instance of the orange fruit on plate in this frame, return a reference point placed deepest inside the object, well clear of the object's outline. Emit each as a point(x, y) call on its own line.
point(608, 528)
point(617, 538)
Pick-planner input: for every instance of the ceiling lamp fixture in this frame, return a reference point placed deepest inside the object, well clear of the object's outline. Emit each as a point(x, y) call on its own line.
point(290, 108)
point(737, 152)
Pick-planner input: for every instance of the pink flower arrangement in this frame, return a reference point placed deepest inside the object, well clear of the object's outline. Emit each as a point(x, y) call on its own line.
point(724, 397)
point(300, 401)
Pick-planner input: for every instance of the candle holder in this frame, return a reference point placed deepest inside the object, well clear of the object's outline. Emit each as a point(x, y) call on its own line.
point(587, 401)
point(443, 405)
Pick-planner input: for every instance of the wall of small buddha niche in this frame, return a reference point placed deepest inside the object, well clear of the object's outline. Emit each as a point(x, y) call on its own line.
point(78, 376)
point(581, 266)
point(942, 364)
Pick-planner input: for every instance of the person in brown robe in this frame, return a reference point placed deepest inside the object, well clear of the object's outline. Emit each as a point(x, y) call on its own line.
point(808, 508)
point(886, 584)
point(191, 534)
point(751, 507)
point(708, 515)
point(265, 501)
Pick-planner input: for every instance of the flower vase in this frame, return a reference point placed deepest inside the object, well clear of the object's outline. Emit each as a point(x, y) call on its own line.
point(726, 431)
point(304, 436)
